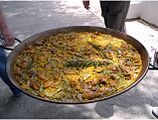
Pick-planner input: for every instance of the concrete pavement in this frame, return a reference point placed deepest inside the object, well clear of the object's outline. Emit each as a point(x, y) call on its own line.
point(29, 18)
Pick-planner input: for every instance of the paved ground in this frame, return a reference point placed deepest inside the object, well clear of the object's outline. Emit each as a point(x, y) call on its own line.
point(29, 18)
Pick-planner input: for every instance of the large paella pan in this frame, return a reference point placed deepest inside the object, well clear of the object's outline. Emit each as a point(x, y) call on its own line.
point(77, 64)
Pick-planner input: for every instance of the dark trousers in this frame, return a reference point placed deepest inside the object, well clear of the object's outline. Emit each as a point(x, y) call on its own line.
point(114, 13)
point(3, 73)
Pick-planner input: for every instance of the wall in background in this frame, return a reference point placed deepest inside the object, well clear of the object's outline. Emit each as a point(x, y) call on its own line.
point(147, 10)
point(134, 10)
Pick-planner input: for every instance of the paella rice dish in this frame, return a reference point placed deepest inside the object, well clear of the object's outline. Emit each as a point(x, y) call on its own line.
point(77, 66)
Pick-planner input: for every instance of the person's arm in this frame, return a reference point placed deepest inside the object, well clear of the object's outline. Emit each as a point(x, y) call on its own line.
point(5, 31)
point(86, 4)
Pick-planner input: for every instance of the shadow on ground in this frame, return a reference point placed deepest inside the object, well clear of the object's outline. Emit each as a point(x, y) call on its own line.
point(28, 18)
point(135, 103)
point(26, 107)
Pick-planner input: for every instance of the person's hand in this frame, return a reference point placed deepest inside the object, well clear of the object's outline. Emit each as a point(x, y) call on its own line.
point(8, 37)
point(86, 4)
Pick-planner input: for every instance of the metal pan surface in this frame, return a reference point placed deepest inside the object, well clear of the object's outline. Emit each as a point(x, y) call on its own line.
point(139, 47)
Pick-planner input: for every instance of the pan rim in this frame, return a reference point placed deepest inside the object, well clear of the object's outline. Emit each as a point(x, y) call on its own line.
point(12, 79)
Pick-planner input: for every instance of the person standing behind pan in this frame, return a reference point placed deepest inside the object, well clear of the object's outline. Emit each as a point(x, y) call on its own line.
point(113, 12)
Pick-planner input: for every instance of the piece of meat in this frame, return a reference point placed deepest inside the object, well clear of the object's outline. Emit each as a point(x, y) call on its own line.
point(34, 85)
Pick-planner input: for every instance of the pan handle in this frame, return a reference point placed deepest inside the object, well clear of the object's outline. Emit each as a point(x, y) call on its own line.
point(18, 40)
point(152, 67)
point(8, 48)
